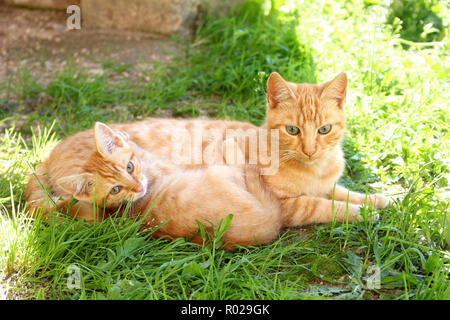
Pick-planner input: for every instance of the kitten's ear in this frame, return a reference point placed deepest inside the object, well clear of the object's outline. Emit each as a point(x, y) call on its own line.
point(80, 186)
point(277, 90)
point(336, 89)
point(107, 140)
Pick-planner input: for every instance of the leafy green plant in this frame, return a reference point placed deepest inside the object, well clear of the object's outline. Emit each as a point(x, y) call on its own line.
point(419, 19)
point(213, 235)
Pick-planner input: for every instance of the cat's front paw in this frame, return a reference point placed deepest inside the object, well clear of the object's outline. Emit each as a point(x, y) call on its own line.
point(378, 201)
point(381, 201)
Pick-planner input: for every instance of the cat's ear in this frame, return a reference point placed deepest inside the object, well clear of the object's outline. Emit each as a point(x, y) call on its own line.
point(336, 89)
point(80, 186)
point(277, 90)
point(107, 140)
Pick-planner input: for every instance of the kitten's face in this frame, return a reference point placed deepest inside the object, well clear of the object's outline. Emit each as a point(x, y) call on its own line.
point(113, 174)
point(310, 118)
point(117, 179)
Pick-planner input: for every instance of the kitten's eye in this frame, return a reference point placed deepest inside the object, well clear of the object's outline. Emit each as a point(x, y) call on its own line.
point(115, 190)
point(130, 167)
point(325, 129)
point(292, 130)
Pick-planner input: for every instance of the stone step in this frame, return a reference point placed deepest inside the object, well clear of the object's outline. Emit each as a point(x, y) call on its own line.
point(44, 4)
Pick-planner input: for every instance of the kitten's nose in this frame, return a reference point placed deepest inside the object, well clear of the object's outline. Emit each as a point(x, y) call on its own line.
point(138, 187)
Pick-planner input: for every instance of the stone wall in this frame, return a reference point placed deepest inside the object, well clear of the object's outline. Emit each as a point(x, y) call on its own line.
point(155, 16)
point(165, 17)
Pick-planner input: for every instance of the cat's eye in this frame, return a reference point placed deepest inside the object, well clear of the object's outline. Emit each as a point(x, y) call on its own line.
point(130, 167)
point(325, 129)
point(115, 190)
point(292, 130)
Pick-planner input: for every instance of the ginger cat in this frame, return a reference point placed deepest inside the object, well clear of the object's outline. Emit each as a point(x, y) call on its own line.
point(309, 120)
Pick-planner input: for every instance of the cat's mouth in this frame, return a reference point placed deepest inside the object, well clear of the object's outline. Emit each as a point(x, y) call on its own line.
point(144, 184)
point(307, 158)
point(310, 160)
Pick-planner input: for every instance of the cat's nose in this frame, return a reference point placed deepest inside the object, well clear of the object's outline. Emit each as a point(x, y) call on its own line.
point(309, 150)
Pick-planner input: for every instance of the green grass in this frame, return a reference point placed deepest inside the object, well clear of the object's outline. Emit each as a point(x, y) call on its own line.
point(397, 142)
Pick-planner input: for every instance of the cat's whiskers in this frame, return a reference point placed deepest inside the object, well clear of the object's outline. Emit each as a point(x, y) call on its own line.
point(287, 155)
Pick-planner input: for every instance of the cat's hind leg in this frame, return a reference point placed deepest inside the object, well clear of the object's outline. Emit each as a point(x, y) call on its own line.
point(377, 201)
point(307, 210)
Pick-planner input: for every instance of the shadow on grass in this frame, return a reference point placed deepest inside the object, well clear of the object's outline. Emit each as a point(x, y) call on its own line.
point(356, 176)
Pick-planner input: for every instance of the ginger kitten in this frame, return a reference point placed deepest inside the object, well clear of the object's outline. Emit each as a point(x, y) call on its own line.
point(92, 166)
